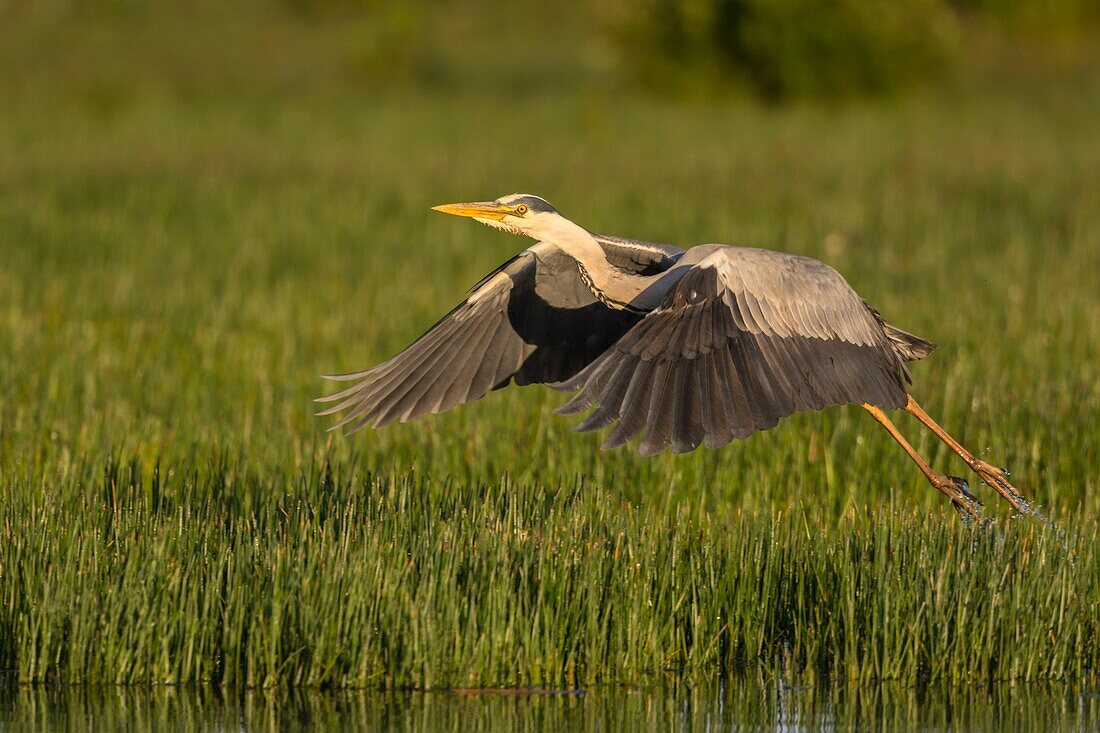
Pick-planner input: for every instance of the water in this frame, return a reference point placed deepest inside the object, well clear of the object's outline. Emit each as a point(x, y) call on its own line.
point(728, 706)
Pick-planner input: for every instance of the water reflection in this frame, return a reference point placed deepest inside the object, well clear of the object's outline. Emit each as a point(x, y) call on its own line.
point(729, 706)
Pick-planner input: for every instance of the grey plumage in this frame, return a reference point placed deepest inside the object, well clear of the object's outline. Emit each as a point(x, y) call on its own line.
point(532, 320)
point(743, 338)
point(683, 348)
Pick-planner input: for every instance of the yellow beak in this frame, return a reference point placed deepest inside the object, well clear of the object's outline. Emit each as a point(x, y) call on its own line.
point(479, 209)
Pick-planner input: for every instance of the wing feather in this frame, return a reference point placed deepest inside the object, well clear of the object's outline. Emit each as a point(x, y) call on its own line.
point(741, 340)
point(635, 405)
point(532, 320)
point(659, 422)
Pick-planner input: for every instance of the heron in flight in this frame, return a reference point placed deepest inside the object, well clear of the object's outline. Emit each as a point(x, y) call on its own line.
point(682, 347)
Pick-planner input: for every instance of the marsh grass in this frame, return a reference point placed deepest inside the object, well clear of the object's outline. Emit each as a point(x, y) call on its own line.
point(180, 261)
point(324, 579)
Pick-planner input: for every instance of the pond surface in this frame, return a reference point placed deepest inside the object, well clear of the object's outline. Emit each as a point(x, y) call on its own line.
point(727, 706)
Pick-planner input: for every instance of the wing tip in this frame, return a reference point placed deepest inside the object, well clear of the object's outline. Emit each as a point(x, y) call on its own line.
point(350, 376)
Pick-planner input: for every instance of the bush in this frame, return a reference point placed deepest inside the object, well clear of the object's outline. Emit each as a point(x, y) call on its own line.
point(785, 48)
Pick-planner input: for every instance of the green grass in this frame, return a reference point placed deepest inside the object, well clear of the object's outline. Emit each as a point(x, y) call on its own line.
point(180, 260)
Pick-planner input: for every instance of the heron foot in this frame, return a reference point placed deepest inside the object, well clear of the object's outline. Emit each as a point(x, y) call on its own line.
point(996, 477)
point(958, 491)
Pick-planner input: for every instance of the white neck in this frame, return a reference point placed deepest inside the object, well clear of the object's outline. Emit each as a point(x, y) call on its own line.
point(576, 241)
point(612, 283)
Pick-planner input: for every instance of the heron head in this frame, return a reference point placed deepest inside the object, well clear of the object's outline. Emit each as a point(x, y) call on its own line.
point(518, 213)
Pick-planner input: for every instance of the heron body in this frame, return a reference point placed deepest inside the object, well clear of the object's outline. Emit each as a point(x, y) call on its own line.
point(679, 347)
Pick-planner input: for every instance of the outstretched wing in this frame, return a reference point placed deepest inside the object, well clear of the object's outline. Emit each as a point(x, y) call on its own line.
point(744, 338)
point(531, 320)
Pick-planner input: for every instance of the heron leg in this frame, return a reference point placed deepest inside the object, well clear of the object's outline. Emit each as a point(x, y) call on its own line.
point(953, 487)
point(989, 474)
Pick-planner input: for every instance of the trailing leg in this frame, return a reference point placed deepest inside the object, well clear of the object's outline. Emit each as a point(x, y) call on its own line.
point(988, 473)
point(953, 487)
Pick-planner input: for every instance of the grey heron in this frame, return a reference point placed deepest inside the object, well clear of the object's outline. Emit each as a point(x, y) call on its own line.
point(683, 347)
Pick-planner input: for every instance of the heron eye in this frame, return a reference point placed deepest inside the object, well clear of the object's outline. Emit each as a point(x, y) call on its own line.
point(521, 209)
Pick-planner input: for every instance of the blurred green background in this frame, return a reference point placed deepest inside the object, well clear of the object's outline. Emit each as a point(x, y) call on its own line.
point(204, 206)
point(111, 51)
